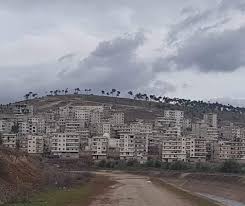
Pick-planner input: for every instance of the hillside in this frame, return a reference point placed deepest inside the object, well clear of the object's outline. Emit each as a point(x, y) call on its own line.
point(19, 174)
point(135, 108)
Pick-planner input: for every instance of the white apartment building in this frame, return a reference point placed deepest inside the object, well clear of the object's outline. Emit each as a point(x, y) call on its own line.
point(163, 122)
point(74, 126)
point(174, 114)
point(199, 129)
point(174, 149)
point(117, 118)
point(140, 127)
point(127, 146)
point(36, 125)
point(211, 120)
point(83, 115)
point(172, 132)
point(96, 117)
point(123, 128)
point(35, 144)
point(9, 140)
point(212, 133)
point(232, 149)
point(196, 148)
point(104, 128)
point(99, 146)
point(1, 125)
point(141, 146)
point(65, 145)
point(6, 126)
point(222, 150)
point(89, 108)
point(23, 128)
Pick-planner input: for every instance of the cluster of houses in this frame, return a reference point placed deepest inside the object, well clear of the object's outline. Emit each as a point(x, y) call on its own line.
point(101, 132)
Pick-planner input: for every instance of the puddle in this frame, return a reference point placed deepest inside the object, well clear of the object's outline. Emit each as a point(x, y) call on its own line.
point(226, 202)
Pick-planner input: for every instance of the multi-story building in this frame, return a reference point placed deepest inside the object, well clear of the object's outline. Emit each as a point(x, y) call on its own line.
point(211, 120)
point(140, 127)
point(35, 144)
point(196, 148)
point(9, 140)
point(127, 146)
point(99, 146)
point(174, 149)
point(6, 126)
point(74, 126)
point(65, 145)
point(117, 118)
point(177, 115)
point(141, 146)
point(23, 128)
point(172, 132)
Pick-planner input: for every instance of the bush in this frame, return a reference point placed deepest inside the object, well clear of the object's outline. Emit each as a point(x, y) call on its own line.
point(230, 166)
point(132, 163)
point(102, 163)
point(178, 165)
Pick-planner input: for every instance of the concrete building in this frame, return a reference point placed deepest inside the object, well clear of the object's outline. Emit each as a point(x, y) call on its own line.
point(140, 127)
point(35, 144)
point(174, 149)
point(196, 148)
point(117, 118)
point(99, 146)
point(141, 146)
point(177, 115)
point(127, 146)
point(211, 120)
point(65, 145)
point(9, 140)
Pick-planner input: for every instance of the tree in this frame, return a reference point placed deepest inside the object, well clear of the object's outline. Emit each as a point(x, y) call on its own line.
point(113, 91)
point(130, 93)
point(66, 91)
point(118, 93)
point(230, 166)
point(34, 95)
point(26, 96)
point(102, 92)
point(51, 92)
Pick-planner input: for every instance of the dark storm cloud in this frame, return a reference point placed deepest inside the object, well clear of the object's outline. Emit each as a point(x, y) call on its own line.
point(209, 52)
point(113, 63)
point(207, 46)
point(213, 52)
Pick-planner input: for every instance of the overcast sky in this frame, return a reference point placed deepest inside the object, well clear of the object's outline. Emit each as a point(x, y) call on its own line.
point(192, 49)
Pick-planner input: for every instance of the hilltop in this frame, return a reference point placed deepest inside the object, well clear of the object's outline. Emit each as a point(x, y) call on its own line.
point(141, 108)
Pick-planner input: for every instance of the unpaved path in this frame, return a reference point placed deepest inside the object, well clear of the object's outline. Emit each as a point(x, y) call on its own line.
point(134, 190)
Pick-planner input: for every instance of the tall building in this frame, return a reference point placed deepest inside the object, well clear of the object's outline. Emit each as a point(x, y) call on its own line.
point(211, 120)
point(177, 115)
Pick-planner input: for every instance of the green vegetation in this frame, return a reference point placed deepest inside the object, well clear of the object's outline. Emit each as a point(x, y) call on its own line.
point(58, 197)
point(228, 166)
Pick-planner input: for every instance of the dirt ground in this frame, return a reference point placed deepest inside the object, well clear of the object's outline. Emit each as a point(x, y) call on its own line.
point(136, 190)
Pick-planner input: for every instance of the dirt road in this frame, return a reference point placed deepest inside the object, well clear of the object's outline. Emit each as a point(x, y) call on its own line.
point(134, 190)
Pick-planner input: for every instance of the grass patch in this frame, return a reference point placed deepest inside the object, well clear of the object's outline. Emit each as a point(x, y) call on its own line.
point(183, 194)
point(77, 196)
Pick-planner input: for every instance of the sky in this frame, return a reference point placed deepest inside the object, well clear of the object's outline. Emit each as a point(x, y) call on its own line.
point(191, 49)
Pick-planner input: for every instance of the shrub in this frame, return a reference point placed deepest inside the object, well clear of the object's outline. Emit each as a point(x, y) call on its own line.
point(178, 165)
point(230, 166)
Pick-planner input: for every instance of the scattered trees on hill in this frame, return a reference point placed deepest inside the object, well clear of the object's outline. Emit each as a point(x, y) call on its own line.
point(200, 105)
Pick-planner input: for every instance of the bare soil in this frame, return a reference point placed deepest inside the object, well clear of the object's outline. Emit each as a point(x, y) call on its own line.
point(137, 190)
